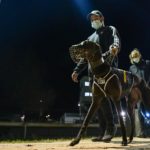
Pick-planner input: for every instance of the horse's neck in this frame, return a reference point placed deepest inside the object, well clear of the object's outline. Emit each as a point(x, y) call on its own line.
point(99, 67)
point(95, 63)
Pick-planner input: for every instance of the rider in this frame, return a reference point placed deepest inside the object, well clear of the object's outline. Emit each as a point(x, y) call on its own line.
point(141, 68)
point(108, 38)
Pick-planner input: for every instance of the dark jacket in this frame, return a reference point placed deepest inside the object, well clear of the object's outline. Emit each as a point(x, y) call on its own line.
point(142, 69)
point(104, 36)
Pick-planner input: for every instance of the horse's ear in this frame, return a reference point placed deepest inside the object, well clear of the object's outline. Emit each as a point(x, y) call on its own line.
point(98, 45)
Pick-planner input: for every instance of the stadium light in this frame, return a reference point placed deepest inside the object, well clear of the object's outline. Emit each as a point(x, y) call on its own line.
point(84, 6)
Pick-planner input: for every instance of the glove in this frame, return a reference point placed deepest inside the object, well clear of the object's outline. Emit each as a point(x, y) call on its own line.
point(74, 76)
point(113, 49)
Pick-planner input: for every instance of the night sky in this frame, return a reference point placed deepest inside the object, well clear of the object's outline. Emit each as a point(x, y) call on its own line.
point(35, 66)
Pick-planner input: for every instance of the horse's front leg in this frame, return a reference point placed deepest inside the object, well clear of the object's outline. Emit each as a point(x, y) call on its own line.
point(132, 118)
point(122, 125)
point(93, 108)
point(131, 106)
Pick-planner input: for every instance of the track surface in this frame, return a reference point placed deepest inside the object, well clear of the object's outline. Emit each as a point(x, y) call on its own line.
point(85, 144)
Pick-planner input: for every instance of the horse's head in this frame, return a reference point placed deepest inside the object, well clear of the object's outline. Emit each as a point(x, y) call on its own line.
point(86, 49)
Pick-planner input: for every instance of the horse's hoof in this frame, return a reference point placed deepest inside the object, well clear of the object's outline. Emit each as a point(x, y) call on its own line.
point(129, 141)
point(124, 143)
point(74, 142)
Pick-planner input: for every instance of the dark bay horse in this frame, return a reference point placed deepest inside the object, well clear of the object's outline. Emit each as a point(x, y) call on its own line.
point(112, 83)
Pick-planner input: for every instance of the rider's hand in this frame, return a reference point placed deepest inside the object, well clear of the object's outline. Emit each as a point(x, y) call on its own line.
point(113, 50)
point(74, 76)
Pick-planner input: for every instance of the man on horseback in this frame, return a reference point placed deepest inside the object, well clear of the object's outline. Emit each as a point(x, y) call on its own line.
point(108, 38)
point(141, 68)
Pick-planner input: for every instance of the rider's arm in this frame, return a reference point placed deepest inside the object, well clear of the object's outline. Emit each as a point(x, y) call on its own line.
point(78, 69)
point(115, 38)
point(81, 66)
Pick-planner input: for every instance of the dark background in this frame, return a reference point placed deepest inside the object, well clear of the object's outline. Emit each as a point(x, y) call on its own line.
point(35, 66)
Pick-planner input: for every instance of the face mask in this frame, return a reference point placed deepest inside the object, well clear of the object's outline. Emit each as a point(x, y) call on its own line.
point(96, 24)
point(136, 60)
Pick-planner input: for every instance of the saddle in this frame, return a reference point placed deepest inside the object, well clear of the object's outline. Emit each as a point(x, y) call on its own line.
point(125, 77)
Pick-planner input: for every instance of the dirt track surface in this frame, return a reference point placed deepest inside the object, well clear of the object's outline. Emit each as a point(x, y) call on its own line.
point(115, 144)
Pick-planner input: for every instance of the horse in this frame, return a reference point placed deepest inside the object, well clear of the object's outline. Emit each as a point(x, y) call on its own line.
point(112, 83)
